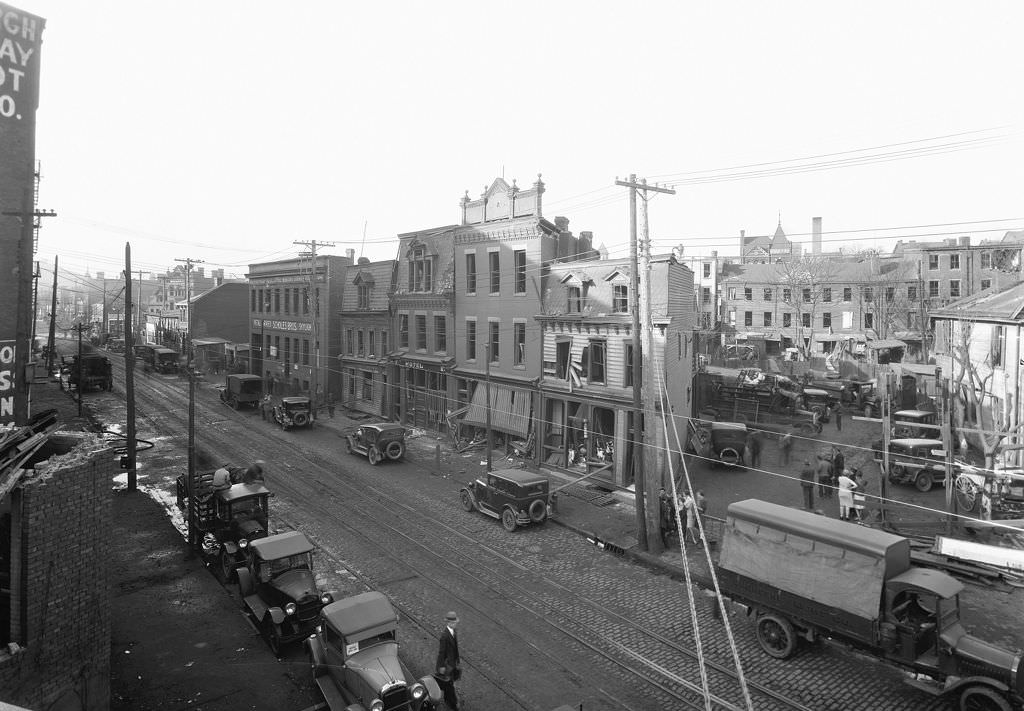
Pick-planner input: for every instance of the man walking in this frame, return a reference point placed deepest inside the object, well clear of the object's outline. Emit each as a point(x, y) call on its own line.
point(824, 477)
point(785, 447)
point(807, 484)
point(448, 668)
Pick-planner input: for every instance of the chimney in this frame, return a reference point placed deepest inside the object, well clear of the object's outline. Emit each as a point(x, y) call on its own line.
point(815, 235)
point(562, 223)
point(351, 255)
point(714, 254)
point(965, 241)
point(101, 275)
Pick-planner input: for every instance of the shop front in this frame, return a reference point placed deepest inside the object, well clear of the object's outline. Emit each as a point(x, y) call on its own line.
point(588, 437)
point(422, 384)
point(364, 386)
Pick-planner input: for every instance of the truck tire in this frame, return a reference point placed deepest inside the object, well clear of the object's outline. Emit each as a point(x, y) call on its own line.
point(245, 586)
point(272, 632)
point(227, 566)
point(776, 636)
point(982, 698)
point(394, 450)
point(923, 481)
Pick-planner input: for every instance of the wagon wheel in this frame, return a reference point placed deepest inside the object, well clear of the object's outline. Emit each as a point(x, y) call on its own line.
point(924, 480)
point(508, 520)
point(776, 636)
point(966, 493)
point(467, 500)
point(348, 445)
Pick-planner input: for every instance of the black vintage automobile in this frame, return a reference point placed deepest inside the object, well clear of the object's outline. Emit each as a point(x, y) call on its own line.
point(294, 411)
point(377, 442)
point(279, 590)
point(515, 496)
point(913, 461)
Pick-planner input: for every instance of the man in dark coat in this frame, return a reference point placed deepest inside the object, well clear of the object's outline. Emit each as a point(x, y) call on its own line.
point(448, 669)
point(807, 477)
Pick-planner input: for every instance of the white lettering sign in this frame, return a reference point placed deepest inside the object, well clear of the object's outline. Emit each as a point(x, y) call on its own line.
point(7, 353)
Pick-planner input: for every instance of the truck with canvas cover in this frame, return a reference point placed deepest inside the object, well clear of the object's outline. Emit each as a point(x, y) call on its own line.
point(242, 390)
point(92, 371)
point(805, 576)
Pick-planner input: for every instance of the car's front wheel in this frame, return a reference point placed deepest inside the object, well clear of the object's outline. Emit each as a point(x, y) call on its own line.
point(227, 566)
point(508, 520)
point(924, 481)
point(348, 445)
point(373, 455)
point(467, 500)
point(273, 634)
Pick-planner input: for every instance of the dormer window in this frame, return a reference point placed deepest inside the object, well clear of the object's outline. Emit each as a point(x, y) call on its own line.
point(421, 277)
point(364, 296)
point(620, 299)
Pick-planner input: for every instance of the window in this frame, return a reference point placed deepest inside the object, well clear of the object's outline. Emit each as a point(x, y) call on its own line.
point(360, 350)
point(847, 293)
point(519, 343)
point(986, 260)
point(627, 376)
point(732, 317)
point(471, 273)
point(383, 342)
point(847, 319)
point(371, 343)
point(954, 288)
point(732, 293)
point(577, 299)
point(252, 301)
point(986, 284)
point(748, 318)
point(748, 294)
point(767, 318)
point(350, 341)
point(620, 299)
point(295, 300)
point(826, 295)
point(705, 295)
point(421, 332)
point(933, 289)
point(494, 264)
point(787, 294)
point(519, 260)
point(805, 320)
point(826, 320)
point(367, 385)
point(421, 271)
point(305, 351)
point(707, 270)
point(470, 340)
point(594, 361)
point(287, 300)
point(869, 320)
point(954, 261)
point(767, 294)
point(440, 334)
point(997, 345)
point(933, 261)
point(890, 294)
point(277, 301)
point(911, 293)
point(494, 342)
point(364, 296)
point(305, 301)
point(807, 296)
point(869, 294)
point(787, 320)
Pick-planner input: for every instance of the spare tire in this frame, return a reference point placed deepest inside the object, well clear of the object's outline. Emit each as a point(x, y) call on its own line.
point(394, 449)
point(301, 419)
point(538, 511)
point(729, 456)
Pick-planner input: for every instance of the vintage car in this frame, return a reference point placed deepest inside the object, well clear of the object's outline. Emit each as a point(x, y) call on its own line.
point(157, 358)
point(279, 590)
point(820, 401)
point(720, 442)
point(293, 412)
point(93, 371)
point(909, 423)
point(227, 516)
point(913, 461)
point(377, 442)
point(355, 662)
point(515, 496)
point(115, 345)
point(242, 390)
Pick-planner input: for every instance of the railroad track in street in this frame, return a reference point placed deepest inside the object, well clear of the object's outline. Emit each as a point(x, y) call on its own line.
point(424, 562)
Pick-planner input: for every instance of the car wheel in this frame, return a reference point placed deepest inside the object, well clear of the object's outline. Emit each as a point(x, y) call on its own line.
point(538, 511)
point(395, 450)
point(897, 472)
point(467, 500)
point(227, 566)
point(776, 636)
point(966, 493)
point(982, 698)
point(245, 586)
point(348, 445)
point(373, 455)
point(923, 481)
point(272, 632)
point(729, 456)
point(508, 520)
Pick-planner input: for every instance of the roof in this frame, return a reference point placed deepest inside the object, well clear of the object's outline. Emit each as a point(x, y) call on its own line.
point(886, 343)
point(519, 476)
point(242, 491)
point(383, 426)
point(361, 613)
point(1003, 304)
point(916, 442)
point(934, 580)
point(281, 545)
point(295, 400)
point(164, 351)
point(720, 426)
point(244, 376)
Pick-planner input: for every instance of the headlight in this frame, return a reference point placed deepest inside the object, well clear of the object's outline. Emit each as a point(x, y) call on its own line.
point(376, 705)
point(418, 691)
point(242, 543)
point(326, 598)
point(290, 608)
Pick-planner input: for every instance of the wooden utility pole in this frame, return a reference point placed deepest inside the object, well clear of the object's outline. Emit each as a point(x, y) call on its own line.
point(884, 403)
point(51, 341)
point(314, 380)
point(646, 472)
point(193, 533)
point(946, 421)
point(129, 365)
point(487, 394)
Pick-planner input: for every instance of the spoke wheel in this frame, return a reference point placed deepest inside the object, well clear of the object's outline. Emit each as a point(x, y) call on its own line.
point(966, 493)
point(776, 636)
point(467, 500)
point(227, 566)
point(373, 455)
point(982, 698)
point(508, 520)
point(923, 481)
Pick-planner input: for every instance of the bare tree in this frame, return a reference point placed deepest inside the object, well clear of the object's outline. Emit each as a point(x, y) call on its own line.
point(806, 280)
point(895, 301)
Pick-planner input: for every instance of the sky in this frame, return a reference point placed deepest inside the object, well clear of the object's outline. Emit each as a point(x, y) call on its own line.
point(227, 131)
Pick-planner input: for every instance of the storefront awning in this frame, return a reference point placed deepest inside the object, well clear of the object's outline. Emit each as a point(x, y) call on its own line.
point(404, 357)
point(510, 409)
point(886, 343)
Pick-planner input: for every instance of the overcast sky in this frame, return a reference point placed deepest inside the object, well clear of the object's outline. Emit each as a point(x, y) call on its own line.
point(225, 131)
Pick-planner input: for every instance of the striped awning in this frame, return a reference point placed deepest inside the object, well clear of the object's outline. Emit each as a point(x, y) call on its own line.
point(510, 409)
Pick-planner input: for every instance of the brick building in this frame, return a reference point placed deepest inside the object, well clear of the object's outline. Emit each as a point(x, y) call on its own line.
point(586, 385)
point(366, 331)
point(294, 339)
point(55, 577)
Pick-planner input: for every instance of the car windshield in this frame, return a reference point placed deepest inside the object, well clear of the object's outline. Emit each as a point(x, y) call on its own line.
point(253, 506)
point(270, 569)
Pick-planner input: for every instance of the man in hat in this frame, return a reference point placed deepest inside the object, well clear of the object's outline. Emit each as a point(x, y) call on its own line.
point(448, 669)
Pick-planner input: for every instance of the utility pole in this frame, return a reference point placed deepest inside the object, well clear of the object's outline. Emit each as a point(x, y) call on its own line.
point(193, 534)
point(129, 369)
point(884, 403)
point(314, 375)
point(645, 469)
point(487, 394)
point(51, 341)
point(946, 421)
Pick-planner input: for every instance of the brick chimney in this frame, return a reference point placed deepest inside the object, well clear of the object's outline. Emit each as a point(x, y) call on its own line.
point(351, 255)
point(815, 235)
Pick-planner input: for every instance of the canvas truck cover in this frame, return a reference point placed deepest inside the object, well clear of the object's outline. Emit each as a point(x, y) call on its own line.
point(831, 562)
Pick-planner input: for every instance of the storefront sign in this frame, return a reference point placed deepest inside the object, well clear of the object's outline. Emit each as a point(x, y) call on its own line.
point(298, 326)
point(20, 36)
point(7, 353)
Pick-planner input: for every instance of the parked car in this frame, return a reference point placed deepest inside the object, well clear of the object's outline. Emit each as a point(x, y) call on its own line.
point(913, 461)
point(242, 390)
point(279, 590)
point(90, 372)
point(908, 423)
point(293, 412)
point(726, 441)
point(515, 496)
point(820, 401)
point(355, 662)
point(377, 442)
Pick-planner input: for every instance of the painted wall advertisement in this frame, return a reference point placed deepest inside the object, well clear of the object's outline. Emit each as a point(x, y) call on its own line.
point(20, 44)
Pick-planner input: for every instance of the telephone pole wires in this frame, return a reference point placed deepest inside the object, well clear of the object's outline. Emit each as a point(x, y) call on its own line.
point(314, 297)
point(646, 469)
point(193, 534)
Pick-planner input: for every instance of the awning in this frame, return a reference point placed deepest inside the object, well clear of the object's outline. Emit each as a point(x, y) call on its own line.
point(510, 409)
point(415, 359)
point(886, 343)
